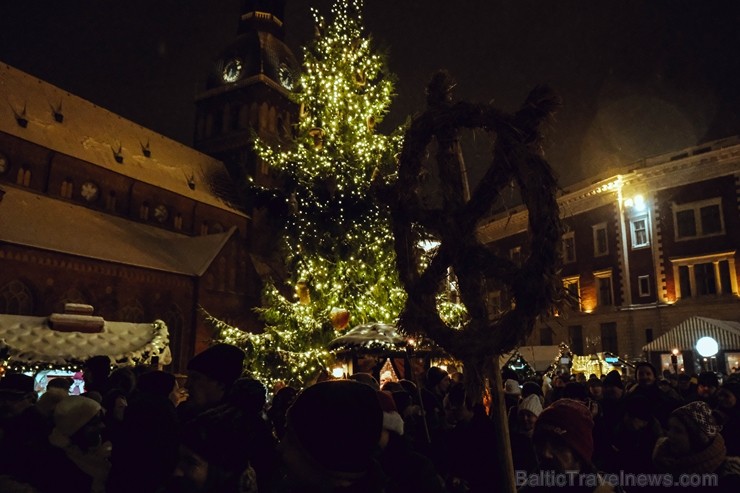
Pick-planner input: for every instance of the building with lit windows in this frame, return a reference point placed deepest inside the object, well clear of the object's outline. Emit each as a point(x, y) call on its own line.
point(645, 249)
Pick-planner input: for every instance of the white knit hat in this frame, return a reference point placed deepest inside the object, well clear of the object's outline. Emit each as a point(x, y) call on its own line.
point(512, 387)
point(70, 415)
point(531, 403)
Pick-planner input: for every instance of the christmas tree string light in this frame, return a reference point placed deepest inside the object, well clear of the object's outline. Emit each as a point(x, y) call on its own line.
point(337, 240)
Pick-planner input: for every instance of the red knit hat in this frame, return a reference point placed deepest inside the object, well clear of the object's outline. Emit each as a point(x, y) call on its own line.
point(571, 420)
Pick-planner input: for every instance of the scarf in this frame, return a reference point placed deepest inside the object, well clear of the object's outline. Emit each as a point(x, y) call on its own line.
point(705, 461)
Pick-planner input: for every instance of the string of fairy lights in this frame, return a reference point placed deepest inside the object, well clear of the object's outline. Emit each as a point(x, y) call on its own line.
point(338, 237)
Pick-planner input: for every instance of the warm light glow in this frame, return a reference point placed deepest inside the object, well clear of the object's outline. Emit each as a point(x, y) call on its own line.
point(675, 351)
point(707, 347)
point(337, 372)
point(637, 202)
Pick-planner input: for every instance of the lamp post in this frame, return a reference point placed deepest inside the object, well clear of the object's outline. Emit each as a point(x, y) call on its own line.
point(674, 360)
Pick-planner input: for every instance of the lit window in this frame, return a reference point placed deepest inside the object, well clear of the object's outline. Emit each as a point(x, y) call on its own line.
point(643, 285)
point(601, 243)
point(67, 188)
point(604, 292)
point(697, 219)
point(24, 177)
point(573, 289)
point(569, 247)
point(705, 275)
point(639, 229)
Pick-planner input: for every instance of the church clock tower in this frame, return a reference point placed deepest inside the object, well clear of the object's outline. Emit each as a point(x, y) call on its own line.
point(248, 92)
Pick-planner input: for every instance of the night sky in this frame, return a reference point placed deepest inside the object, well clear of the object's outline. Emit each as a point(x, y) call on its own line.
point(637, 78)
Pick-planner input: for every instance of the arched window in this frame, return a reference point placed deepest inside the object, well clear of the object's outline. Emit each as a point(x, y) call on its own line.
point(110, 201)
point(264, 118)
point(177, 221)
point(144, 211)
point(67, 188)
point(272, 119)
point(254, 115)
point(24, 176)
point(133, 313)
point(244, 116)
point(16, 299)
point(72, 295)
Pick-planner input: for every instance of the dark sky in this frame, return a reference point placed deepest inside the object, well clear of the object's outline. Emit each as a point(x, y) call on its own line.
point(637, 78)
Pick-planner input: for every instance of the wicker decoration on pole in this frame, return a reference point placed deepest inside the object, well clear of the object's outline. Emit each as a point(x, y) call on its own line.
point(535, 285)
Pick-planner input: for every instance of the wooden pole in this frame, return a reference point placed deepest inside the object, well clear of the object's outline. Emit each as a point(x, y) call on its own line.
point(505, 466)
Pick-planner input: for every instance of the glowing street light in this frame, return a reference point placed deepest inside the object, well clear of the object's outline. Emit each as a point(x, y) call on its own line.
point(707, 347)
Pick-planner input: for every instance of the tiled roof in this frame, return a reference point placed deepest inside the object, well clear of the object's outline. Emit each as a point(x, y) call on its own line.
point(30, 341)
point(92, 134)
point(34, 220)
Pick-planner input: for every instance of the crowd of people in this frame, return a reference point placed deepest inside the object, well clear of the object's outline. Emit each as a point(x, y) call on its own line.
point(135, 430)
point(661, 431)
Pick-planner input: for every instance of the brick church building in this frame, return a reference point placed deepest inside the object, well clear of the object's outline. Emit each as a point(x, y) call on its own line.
point(97, 210)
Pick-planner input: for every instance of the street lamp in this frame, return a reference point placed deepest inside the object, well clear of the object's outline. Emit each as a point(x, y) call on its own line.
point(674, 360)
point(707, 347)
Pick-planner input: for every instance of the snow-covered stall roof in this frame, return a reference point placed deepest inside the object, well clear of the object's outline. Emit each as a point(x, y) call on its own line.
point(38, 221)
point(98, 136)
point(31, 341)
point(378, 337)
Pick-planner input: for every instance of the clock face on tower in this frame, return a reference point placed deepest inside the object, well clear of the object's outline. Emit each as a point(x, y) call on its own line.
point(286, 77)
point(232, 70)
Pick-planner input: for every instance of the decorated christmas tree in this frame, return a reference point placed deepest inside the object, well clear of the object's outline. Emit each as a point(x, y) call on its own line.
point(337, 241)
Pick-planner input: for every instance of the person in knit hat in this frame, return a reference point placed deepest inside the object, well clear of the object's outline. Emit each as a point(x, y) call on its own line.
point(210, 375)
point(324, 420)
point(563, 437)
point(633, 439)
point(529, 410)
point(613, 386)
point(522, 447)
point(694, 445)
point(76, 458)
point(432, 400)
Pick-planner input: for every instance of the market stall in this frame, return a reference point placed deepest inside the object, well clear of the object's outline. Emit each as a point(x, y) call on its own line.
point(59, 344)
point(379, 349)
